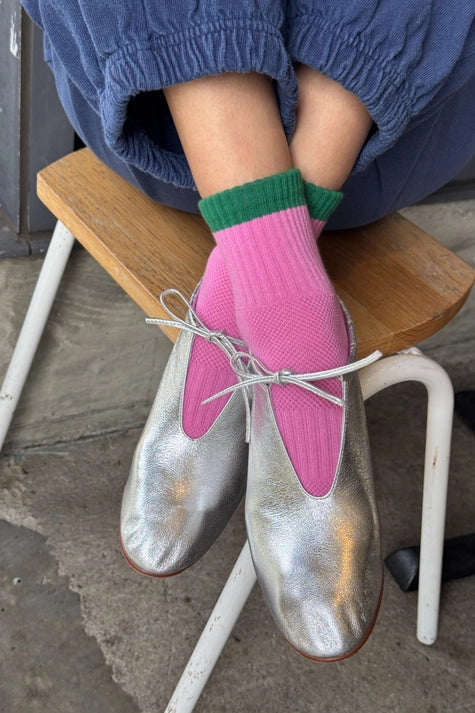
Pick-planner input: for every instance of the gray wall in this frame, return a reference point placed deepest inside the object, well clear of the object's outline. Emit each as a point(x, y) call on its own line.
point(34, 130)
point(10, 75)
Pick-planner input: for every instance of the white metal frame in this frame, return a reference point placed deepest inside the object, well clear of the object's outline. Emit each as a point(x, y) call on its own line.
point(410, 365)
point(34, 323)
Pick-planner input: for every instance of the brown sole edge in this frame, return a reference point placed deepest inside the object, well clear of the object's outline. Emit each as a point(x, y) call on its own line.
point(142, 571)
point(333, 659)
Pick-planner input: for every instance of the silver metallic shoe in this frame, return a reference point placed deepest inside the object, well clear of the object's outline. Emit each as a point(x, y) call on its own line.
point(181, 492)
point(318, 559)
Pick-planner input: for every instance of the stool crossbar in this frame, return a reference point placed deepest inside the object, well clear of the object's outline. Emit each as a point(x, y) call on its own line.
point(399, 284)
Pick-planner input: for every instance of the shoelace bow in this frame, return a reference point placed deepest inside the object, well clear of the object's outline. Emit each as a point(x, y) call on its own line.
point(248, 369)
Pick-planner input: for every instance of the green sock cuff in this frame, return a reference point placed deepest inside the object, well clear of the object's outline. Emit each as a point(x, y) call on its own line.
point(253, 200)
point(321, 202)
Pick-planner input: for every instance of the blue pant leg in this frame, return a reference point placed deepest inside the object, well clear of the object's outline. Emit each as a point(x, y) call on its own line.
point(114, 53)
point(88, 126)
point(424, 152)
point(421, 161)
point(412, 63)
point(403, 58)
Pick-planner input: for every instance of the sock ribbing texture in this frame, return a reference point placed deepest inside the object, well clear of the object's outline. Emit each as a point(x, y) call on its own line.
point(209, 370)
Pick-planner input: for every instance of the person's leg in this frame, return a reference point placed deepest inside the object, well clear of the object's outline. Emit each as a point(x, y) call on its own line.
point(230, 129)
point(331, 128)
point(310, 508)
point(235, 136)
point(286, 308)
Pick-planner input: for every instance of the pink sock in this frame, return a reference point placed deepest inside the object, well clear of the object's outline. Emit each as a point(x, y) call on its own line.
point(288, 313)
point(209, 370)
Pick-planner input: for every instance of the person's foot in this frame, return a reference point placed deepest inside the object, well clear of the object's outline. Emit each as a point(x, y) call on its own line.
point(182, 490)
point(317, 558)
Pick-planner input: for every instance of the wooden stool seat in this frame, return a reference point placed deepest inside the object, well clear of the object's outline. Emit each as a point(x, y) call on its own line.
point(399, 284)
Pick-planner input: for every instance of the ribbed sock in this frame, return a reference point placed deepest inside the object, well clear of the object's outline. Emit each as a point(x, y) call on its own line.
point(209, 370)
point(286, 308)
point(313, 199)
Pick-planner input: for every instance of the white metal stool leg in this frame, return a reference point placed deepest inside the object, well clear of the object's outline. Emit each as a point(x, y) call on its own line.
point(412, 365)
point(215, 634)
point(34, 324)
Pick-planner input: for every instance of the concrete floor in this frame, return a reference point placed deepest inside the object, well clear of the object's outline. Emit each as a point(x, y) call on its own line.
point(81, 632)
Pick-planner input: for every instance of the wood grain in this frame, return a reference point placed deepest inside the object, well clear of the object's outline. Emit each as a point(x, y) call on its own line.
point(399, 284)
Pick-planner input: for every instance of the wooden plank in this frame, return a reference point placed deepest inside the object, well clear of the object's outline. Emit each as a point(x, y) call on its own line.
point(399, 284)
point(144, 246)
point(403, 284)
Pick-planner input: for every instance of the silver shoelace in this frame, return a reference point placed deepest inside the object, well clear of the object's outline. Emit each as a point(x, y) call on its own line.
point(248, 369)
point(192, 323)
point(255, 373)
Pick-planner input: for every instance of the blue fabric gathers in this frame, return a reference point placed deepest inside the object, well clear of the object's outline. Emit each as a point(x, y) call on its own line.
point(411, 62)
